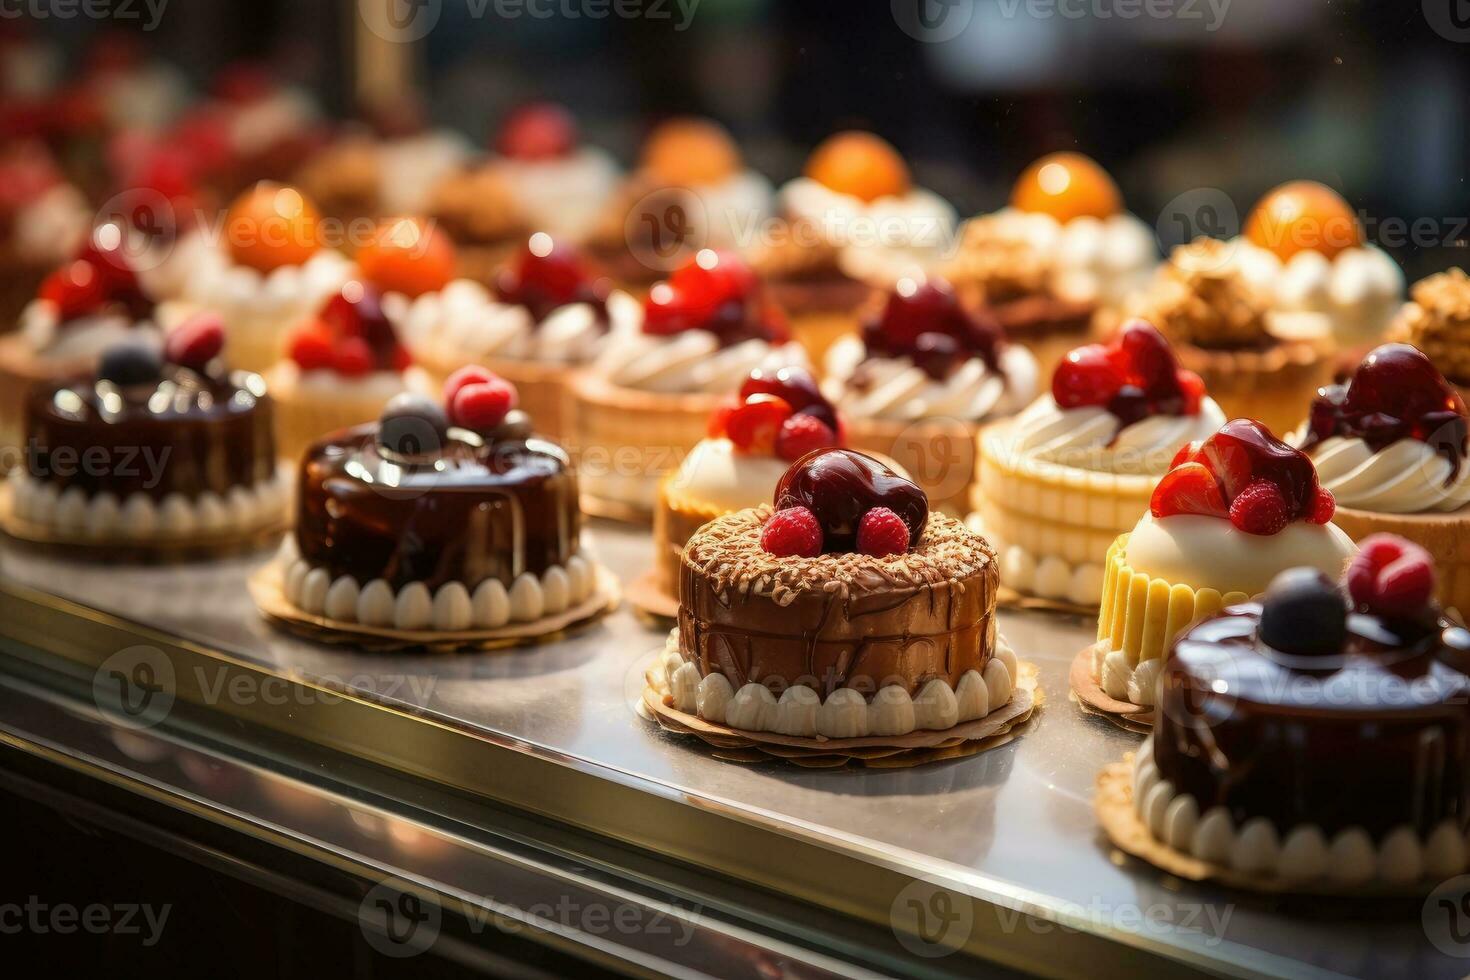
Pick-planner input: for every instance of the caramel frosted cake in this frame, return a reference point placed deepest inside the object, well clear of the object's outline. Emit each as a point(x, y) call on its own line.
point(1063, 247)
point(1225, 329)
point(1059, 482)
point(1390, 442)
point(154, 448)
point(1276, 714)
point(1234, 511)
point(435, 519)
point(848, 610)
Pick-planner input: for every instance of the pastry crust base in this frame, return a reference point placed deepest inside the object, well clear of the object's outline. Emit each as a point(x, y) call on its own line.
point(267, 588)
point(889, 752)
point(1092, 699)
point(1113, 805)
point(1445, 536)
point(1275, 386)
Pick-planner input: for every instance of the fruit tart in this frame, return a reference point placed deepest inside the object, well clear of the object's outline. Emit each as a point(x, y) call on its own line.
point(1063, 247)
point(846, 610)
point(343, 365)
point(562, 184)
point(154, 448)
point(1437, 321)
point(1234, 511)
point(1390, 442)
point(1276, 713)
point(43, 221)
point(84, 306)
point(1225, 329)
point(776, 418)
point(547, 313)
point(691, 190)
point(1303, 247)
point(921, 377)
point(441, 519)
point(667, 364)
point(852, 222)
point(1059, 482)
point(269, 272)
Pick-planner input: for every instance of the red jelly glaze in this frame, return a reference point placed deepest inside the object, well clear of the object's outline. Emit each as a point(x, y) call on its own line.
point(549, 274)
point(797, 388)
point(356, 314)
point(1243, 452)
point(1134, 377)
point(926, 322)
point(717, 292)
point(839, 486)
point(1396, 393)
point(537, 131)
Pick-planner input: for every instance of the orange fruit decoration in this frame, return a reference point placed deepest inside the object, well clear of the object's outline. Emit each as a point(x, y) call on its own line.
point(1303, 216)
point(409, 256)
point(271, 225)
point(860, 164)
point(1067, 186)
point(689, 152)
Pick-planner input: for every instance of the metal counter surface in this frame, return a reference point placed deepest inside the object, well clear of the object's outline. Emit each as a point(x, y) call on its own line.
point(1015, 823)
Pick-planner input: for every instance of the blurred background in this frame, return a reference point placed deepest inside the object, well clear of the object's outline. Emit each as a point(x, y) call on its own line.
point(1179, 99)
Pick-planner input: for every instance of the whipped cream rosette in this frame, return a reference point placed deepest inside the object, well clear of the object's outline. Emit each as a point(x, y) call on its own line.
point(1060, 481)
point(560, 183)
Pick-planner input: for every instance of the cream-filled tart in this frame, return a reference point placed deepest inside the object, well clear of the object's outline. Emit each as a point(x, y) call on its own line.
point(922, 377)
point(1234, 511)
point(849, 610)
point(562, 184)
point(1060, 481)
point(1390, 442)
point(643, 402)
point(1275, 714)
point(1061, 249)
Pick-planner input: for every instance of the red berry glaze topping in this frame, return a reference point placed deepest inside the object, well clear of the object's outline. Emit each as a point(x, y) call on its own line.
point(483, 405)
point(356, 333)
point(839, 486)
point(1244, 473)
point(881, 533)
point(537, 131)
point(1133, 377)
point(1396, 393)
point(99, 280)
point(547, 275)
point(754, 424)
point(717, 292)
point(792, 533)
point(196, 341)
point(926, 322)
point(802, 434)
point(780, 411)
point(1391, 577)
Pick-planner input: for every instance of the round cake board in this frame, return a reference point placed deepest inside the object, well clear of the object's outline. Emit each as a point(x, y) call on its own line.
point(1094, 700)
point(1113, 804)
point(648, 599)
point(267, 588)
point(160, 552)
point(873, 752)
point(1011, 599)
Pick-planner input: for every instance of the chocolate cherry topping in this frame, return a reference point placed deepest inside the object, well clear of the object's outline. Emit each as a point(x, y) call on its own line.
point(1396, 393)
point(926, 322)
point(839, 486)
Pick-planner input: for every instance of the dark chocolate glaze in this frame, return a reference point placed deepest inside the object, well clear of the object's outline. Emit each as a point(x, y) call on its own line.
point(1377, 736)
point(477, 509)
point(188, 433)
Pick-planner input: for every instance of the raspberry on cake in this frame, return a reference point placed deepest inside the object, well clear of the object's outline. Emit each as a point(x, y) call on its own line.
point(449, 517)
point(1059, 482)
point(562, 184)
point(156, 448)
point(1391, 442)
point(1273, 712)
point(847, 610)
point(1235, 509)
point(923, 374)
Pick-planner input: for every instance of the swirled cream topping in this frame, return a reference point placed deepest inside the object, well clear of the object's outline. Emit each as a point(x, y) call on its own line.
point(463, 321)
point(881, 241)
point(1352, 296)
point(895, 388)
point(1093, 438)
point(234, 290)
point(714, 473)
point(1210, 553)
point(1405, 477)
point(1088, 260)
point(566, 196)
point(81, 339)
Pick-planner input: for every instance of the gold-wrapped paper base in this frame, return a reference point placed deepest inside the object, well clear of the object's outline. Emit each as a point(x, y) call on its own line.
point(267, 589)
point(163, 551)
point(647, 596)
point(1092, 699)
point(873, 752)
point(1114, 807)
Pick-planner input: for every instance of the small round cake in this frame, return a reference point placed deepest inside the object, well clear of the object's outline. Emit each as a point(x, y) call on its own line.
point(1276, 715)
point(154, 449)
point(849, 610)
point(428, 519)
